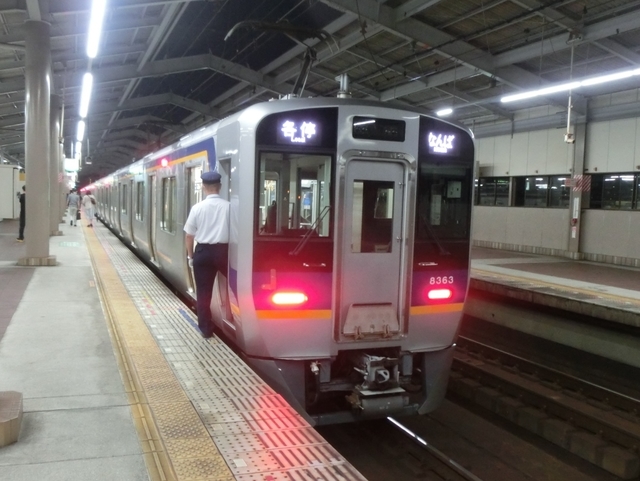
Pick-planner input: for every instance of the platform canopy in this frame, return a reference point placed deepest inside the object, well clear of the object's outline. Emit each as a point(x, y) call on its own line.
point(166, 67)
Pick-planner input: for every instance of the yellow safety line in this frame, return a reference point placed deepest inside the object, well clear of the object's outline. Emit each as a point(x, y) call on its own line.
point(160, 408)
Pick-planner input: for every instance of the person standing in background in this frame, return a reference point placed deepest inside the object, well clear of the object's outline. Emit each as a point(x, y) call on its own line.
point(89, 202)
point(23, 197)
point(73, 203)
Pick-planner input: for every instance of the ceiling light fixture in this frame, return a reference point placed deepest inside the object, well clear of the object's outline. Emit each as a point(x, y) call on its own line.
point(571, 85)
point(95, 27)
point(444, 112)
point(80, 132)
point(85, 96)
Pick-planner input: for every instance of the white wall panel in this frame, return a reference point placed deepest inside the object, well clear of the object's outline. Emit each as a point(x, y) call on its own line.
point(489, 223)
point(546, 228)
point(519, 154)
point(622, 145)
point(502, 155)
point(597, 229)
point(559, 153)
point(597, 155)
point(537, 153)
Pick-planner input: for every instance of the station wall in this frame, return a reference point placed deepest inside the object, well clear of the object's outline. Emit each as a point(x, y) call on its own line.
point(612, 146)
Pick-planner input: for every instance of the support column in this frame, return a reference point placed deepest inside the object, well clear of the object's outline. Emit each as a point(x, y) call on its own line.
point(579, 186)
point(36, 112)
point(54, 166)
point(64, 190)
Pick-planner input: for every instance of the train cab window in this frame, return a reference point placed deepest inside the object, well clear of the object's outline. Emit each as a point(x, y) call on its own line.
point(169, 201)
point(442, 204)
point(139, 200)
point(294, 194)
point(372, 216)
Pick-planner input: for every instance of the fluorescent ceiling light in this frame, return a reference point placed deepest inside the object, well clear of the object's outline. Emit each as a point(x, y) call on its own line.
point(80, 133)
point(85, 96)
point(95, 27)
point(571, 85)
point(444, 112)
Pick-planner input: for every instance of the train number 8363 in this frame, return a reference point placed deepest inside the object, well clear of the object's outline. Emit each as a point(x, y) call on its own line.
point(440, 280)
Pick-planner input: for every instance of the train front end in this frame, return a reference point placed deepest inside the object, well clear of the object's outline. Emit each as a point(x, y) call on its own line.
point(360, 257)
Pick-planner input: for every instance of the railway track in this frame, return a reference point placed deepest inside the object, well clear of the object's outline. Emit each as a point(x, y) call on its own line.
point(591, 421)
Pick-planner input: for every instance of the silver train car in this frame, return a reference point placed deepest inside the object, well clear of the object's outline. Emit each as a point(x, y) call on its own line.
point(349, 251)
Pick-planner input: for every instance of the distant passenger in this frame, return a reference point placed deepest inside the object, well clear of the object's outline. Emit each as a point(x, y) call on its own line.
point(208, 227)
point(89, 202)
point(272, 218)
point(73, 203)
point(23, 214)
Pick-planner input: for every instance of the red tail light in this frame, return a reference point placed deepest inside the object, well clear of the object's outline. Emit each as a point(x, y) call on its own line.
point(289, 298)
point(439, 294)
point(164, 162)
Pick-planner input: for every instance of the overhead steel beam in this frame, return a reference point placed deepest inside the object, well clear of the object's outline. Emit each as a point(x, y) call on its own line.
point(590, 33)
point(154, 101)
point(563, 21)
point(413, 7)
point(338, 24)
point(439, 41)
point(71, 29)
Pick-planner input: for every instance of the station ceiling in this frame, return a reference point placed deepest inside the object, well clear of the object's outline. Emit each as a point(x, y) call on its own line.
point(166, 67)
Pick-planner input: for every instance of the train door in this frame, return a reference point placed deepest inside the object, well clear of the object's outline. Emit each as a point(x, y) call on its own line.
point(224, 169)
point(372, 286)
point(153, 217)
point(131, 211)
point(194, 195)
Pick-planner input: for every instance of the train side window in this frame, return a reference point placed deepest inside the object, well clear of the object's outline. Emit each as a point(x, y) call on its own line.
point(293, 194)
point(140, 201)
point(168, 220)
point(372, 216)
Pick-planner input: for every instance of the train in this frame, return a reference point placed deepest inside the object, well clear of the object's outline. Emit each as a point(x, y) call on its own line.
point(349, 245)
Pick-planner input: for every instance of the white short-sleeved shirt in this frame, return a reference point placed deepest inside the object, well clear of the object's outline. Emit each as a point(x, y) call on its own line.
point(208, 221)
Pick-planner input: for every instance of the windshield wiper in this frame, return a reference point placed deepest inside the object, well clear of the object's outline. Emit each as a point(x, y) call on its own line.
point(434, 237)
point(311, 230)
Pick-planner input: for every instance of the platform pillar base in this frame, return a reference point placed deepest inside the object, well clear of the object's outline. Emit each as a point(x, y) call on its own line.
point(56, 233)
point(38, 261)
point(10, 417)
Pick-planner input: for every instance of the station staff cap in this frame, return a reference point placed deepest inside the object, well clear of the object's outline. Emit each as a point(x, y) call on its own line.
point(210, 178)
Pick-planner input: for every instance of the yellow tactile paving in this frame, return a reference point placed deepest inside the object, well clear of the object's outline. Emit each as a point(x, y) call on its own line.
point(176, 443)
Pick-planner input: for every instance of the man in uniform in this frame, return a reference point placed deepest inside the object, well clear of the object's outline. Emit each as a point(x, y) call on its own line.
point(208, 227)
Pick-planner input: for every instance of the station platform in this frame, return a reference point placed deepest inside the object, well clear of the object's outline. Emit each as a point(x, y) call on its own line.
point(603, 291)
point(118, 384)
point(602, 300)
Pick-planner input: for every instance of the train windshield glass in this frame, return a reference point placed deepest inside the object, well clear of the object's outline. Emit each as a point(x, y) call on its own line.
point(294, 194)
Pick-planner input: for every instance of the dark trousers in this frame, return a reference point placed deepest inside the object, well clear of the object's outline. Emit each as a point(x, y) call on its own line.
point(208, 260)
point(22, 219)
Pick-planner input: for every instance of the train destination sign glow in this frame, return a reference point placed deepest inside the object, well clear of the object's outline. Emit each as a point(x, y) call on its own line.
point(301, 134)
point(441, 143)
